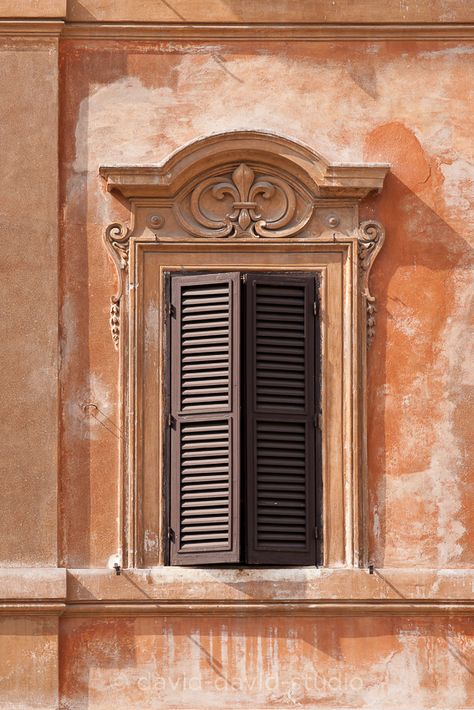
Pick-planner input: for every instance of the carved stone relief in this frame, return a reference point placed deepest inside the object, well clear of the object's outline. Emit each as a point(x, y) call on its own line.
point(242, 220)
point(371, 236)
point(245, 185)
point(243, 204)
point(117, 240)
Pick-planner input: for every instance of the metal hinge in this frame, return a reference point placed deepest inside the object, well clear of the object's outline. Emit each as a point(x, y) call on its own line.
point(243, 278)
point(171, 421)
point(171, 536)
point(318, 421)
point(169, 311)
point(316, 532)
point(317, 306)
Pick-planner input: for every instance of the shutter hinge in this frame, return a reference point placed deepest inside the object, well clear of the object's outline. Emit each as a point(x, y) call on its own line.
point(318, 421)
point(170, 310)
point(316, 307)
point(243, 278)
point(171, 536)
point(316, 532)
point(171, 421)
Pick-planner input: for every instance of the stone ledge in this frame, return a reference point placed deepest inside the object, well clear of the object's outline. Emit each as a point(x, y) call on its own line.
point(26, 584)
point(173, 584)
point(174, 590)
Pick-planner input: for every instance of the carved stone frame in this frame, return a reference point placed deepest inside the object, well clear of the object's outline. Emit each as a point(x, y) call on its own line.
point(243, 194)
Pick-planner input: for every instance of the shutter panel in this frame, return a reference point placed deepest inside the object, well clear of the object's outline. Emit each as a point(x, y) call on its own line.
point(205, 421)
point(280, 411)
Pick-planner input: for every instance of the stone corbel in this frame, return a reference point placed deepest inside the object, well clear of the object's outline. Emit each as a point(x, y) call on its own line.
point(371, 235)
point(117, 240)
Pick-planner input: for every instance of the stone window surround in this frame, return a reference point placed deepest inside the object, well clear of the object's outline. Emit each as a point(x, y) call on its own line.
point(307, 218)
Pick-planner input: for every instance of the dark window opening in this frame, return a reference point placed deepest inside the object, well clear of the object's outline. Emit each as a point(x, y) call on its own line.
point(245, 445)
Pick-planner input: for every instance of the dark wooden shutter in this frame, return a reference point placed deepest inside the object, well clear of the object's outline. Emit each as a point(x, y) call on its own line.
point(205, 419)
point(280, 411)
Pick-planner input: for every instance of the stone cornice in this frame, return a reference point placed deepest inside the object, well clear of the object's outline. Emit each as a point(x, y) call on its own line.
point(302, 608)
point(307, 32)
point(31, 28)
point(216, 31)
point(351, 181)
point(326, 179)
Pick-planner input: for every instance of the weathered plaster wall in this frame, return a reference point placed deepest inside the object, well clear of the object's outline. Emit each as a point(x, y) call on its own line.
point(29, 298)
point(29, 663)
point(407, 104)
point(404, 103)
point(266, 662)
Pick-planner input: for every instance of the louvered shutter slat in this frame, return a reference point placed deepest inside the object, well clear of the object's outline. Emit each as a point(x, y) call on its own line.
point(280, 409)
point(205, 343)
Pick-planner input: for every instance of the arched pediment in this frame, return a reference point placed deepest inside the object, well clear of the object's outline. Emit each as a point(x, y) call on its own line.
point(218, 153)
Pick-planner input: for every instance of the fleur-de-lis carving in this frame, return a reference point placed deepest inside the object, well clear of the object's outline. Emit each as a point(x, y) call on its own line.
point(244, 218)
point(245, 207)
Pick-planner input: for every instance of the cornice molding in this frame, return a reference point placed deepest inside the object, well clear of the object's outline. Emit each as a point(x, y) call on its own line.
point(31, 28)
point(342, 607)
point(264, 32)
point(325, 179)
point(291, 32)
point(34, 608)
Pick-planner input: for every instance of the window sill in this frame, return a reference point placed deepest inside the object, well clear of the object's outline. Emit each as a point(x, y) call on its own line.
point(164, 591)
point(273, 590)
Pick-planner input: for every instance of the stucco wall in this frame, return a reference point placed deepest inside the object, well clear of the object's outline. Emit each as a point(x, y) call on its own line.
point(404, 102)
point(29, 295)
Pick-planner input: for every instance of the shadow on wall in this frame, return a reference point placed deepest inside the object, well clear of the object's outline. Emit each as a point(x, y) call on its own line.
point(413, 308)
point(76, 9)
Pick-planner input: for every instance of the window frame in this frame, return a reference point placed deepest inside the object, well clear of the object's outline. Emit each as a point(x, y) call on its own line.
point(149, 450)
point(322, 235)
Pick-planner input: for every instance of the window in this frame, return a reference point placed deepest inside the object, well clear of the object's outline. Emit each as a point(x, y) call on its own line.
point(243, 202)
point(244, 382)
